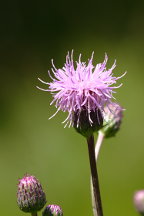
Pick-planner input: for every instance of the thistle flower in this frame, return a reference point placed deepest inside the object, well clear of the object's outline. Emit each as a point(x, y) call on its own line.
point(52, 210)
point(30, 195)
point(84, 88)
point(139, 201)
point(113, 115)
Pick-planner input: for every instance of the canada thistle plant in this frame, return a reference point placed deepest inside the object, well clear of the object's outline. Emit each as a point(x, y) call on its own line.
point(83, 91)
point(30, 195)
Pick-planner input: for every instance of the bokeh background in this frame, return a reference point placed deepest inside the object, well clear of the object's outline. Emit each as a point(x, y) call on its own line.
point(34, 32)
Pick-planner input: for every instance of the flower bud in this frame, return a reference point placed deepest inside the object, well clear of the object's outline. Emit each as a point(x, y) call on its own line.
point(139, 201)
point(30, 195)
point(113, 114)
point(52, 210)
point(87, 123)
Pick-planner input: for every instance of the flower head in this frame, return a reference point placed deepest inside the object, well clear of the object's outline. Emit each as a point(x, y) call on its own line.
point(139, 201)
point(52, 210)
point(113, 114)
point(30, 195)
point(83, 87)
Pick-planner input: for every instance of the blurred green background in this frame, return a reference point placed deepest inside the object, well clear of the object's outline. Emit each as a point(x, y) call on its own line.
point(34, 32)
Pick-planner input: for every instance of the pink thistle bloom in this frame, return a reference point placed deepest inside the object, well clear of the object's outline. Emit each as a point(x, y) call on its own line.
point(84, 87)
point(139, 201)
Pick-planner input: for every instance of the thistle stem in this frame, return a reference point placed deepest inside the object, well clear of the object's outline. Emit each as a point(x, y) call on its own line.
point(100, 139)
point(99, 143)
point(34, 214)
point(94, 174)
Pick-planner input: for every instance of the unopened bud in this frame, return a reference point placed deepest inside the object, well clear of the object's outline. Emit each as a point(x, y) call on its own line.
point(86, 123)
point(52, 210)
point(139, 201)
point(113, 114)
point(30, 195)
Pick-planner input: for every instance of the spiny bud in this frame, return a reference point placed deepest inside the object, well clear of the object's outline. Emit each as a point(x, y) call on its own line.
point(113, 114)
point(52, 210)
point(30, 195)
point(139, 201)
point(86, 123)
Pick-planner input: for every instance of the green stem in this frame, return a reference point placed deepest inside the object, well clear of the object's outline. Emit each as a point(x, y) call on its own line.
point(94, 175)
point(93, 200)
point(100, 139)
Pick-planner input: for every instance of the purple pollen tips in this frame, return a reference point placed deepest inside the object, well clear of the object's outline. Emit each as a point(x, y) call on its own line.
point(80, 87)
point(30, 195)
point(52, 210)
